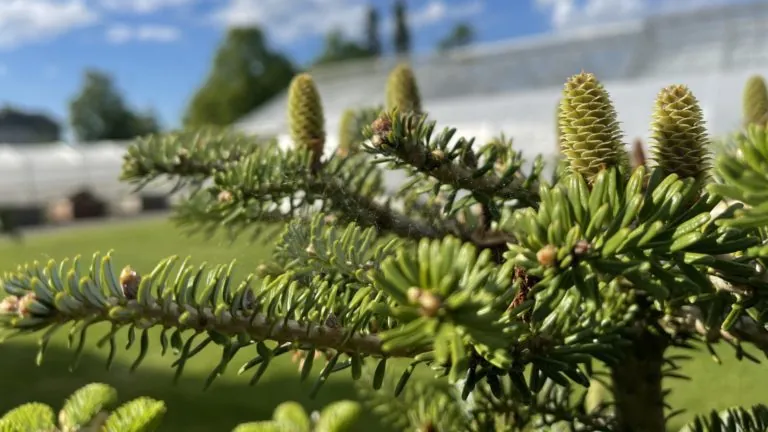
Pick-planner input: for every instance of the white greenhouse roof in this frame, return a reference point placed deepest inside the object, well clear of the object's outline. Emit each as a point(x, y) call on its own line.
point(514, 86)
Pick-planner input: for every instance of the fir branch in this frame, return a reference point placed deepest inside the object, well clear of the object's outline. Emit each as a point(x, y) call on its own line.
point(270, 184)
point(192, 154)
point(457, 324)
point(406, 140)
point(41, 299)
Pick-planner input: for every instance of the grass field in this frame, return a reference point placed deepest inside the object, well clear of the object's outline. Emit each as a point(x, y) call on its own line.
point(231, 400)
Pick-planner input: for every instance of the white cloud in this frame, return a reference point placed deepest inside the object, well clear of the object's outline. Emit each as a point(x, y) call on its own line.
point(289, 20)
point(580, 13)
point(25, 21)
point(141, 6)
point(121, 33)
point(437, 11)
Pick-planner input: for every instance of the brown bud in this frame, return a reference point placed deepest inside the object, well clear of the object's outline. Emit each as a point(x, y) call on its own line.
point(225, 196)
point(129, 282)
point(249, 299)
point(374, 327)
point(23, 305)
point(581, 248)
point(430, 303)
point(438, 154)
point(9, 304)
point(547, 255)
point(428, 427)
point(310, 250)
point(382, 125)
point(638, 154)
point(332, 321)
point(413, 295)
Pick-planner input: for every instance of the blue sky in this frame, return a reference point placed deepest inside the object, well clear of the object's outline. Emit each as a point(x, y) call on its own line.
point(158, 51)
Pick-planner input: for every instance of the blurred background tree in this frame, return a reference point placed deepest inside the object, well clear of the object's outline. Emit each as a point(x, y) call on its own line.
point(461, 35)
point(337, 48)
point(245, 74)
point(98, 112)
point(402, 39)
point(373, 42)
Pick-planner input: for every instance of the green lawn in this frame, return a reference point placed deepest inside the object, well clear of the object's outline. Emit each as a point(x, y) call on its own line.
point(231, 400)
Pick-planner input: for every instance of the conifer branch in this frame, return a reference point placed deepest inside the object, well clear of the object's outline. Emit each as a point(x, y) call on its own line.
point(377, 309)
point(406, 140)
point(187, 154)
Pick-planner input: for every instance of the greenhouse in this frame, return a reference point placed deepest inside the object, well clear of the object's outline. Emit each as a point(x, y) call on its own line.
point(483, 90)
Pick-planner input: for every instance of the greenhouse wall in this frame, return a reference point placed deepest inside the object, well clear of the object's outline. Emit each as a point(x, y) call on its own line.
point(510, 87)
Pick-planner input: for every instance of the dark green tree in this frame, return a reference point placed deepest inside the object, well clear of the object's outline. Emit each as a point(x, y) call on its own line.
point(402, 34)
point(245, 74)
point(461, 35)
point(18, 126)
point(99, 112)
point(373, 43)
point(338, 48)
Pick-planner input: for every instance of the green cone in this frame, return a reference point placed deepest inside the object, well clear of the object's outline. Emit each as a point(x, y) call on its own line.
point(305, 115)
point(402, 91)
point(346, 133)
point(590, 137)
point(558, 132)
point(755, 101)
point(679, 138)
point(351, 129)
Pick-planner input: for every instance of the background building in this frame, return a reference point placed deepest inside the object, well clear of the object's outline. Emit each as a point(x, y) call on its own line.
point(511, 87)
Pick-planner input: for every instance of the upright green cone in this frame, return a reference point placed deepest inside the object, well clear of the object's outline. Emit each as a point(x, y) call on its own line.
point(755, 101)
point(679, 138)
point(558, 132)
point(402, 91)
point(351, 126)
point(305, 116)
point(590, 137)
point(346, 133)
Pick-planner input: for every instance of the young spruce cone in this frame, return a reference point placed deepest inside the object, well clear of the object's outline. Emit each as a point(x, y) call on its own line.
point(346, 133)
point(558, 132)
point(590, 137)
point(402, 91)
point(755, 101)
point(679, 137)
point(305, 116)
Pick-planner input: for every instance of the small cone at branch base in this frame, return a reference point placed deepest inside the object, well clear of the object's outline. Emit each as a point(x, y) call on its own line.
point(547, 256)
point(305, 117)
point(129, 282)
point(680, 142)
